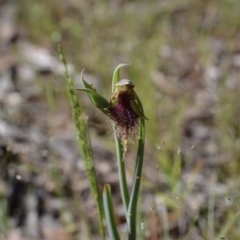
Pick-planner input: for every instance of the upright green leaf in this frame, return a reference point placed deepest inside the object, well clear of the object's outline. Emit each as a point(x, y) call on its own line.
point(109, 213)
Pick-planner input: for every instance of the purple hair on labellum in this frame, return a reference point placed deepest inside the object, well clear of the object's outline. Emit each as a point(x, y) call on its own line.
point(124, 117)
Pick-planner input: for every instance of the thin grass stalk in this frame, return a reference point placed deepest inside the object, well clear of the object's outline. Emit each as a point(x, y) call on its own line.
point(210, 218)
point(84, 144)
point(229, 224)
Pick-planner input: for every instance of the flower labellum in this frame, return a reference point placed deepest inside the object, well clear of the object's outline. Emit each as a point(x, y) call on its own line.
point(124, 111)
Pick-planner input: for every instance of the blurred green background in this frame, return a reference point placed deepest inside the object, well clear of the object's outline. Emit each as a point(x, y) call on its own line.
point(185, 62)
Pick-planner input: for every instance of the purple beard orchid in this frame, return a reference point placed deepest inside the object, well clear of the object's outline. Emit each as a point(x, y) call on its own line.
point(124, 109)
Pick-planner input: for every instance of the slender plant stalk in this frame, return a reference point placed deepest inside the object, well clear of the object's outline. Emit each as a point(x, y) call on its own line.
point(124, 105)
point(84, 144)
point(119, 150)
point(109, 213)
point(132, 208)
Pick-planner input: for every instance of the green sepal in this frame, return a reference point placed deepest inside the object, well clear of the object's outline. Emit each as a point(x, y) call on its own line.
point(137, 109)
point(116, 77)
point(88, 86)
point(98, 100)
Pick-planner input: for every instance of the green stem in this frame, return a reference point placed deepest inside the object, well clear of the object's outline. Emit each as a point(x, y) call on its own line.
point(132, 208)
point(119, 149)
point(122, 174)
